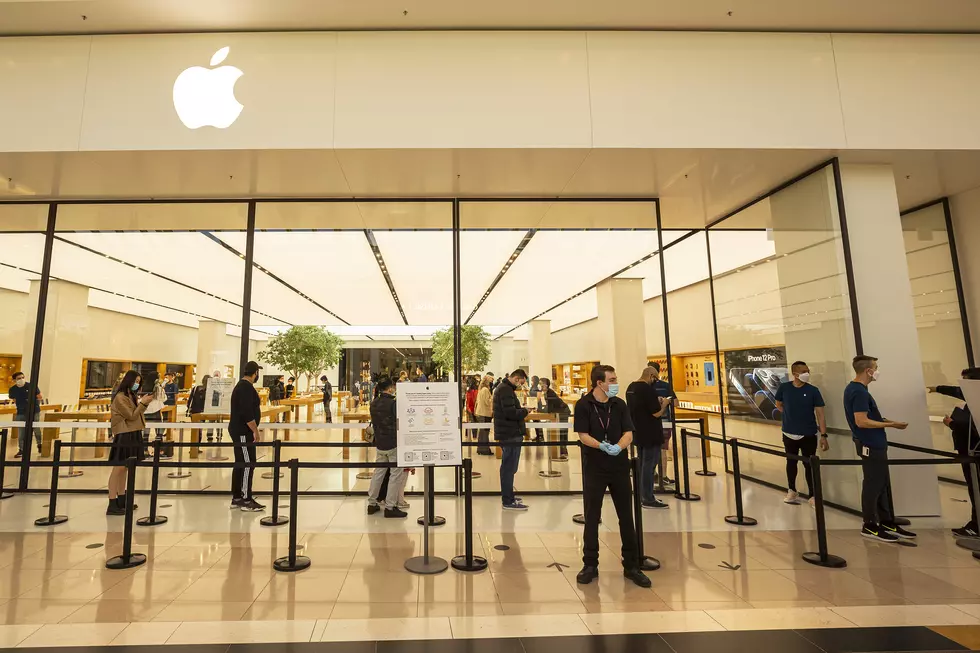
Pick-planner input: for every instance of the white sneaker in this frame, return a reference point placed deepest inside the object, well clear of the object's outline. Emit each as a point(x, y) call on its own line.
point(813, 502)
point(404, 505)
point(792, 496)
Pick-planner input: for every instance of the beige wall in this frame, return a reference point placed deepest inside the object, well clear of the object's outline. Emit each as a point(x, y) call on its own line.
point(965, 211)
point(498, 89)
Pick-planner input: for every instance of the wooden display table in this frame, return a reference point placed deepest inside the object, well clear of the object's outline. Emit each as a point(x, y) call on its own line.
point(310, 401)
point(342, 397)
point(359, 418)
point(552, 435)
point(266, 413)
point(50, 434)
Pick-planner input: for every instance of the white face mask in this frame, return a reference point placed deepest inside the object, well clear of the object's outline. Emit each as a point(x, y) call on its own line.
point(20, 383)
point(874, 375)
point(805, 377)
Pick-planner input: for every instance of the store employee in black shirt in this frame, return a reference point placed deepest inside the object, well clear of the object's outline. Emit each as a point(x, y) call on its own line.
point(246, 412)
point(604, 427)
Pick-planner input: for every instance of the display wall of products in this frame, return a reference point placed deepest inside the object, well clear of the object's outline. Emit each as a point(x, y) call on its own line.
point(100, 376)
point(573, 377)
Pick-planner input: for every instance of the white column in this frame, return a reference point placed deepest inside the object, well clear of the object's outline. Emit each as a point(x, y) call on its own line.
point(623, 332)
point(965, 211)
point(887, 318)
point(539, 348)
point(65, 329)
point(501, 357)
point(215, 348)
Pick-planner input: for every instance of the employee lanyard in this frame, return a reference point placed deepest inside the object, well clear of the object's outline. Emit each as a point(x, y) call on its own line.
point(605, 427)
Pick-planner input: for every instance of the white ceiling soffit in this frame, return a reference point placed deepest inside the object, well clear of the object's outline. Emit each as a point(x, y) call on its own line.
point(99, 16)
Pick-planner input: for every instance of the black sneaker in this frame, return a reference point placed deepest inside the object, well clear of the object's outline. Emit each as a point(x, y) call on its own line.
point(898, 531)
point(637, 576)
point(114, 509)
point(395, 513)
point(121, 504)
point(875, 532)
point(587, 575)
point(656, 503)
point(19, 454)
point(236, 504)
point(251, 505)
point(967, 531)
point(373, 508)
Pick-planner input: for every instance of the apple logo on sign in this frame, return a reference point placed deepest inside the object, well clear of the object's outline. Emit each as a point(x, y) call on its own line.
point(206, 96)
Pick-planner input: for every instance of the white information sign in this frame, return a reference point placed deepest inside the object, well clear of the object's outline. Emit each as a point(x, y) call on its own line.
point(217, 400)
point(428, 424)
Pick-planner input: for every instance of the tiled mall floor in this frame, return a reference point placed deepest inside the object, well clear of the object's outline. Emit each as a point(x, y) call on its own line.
point(210, 579)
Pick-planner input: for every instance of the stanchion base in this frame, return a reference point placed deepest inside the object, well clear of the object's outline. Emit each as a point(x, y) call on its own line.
point(649, 564)
point(274, 521)
point(580, 519)
point(217, 458)
point(363, 476)
point(434, 521)
point(476, 563)
point(426, 567)
point(283, 564)
point(271, 475)
point(703, 473)
point(744, 521)
point(71, 474)
point(44, 521)
point(6, 495)
point(902, 521)
point(146, 521)
point(176, 475)
point(120, 562)
point(547, 474)
point(833, 562)
point(968, 543)
point(687, 497)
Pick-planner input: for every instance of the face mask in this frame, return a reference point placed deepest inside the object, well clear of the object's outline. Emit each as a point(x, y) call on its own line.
point(874, 375)
point(20, 383)
point(805, 377)
point(135, 387)
point(613, 390)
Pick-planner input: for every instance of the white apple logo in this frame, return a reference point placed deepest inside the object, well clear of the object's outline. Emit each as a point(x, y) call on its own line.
point(206, 96)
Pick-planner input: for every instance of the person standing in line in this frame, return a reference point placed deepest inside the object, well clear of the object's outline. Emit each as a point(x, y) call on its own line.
point(493, 383)
point(384, 418)
point(801, 405)
point(20, 393)
point(171, 388)
point(966, 441)
point(664, 389)
point(126, 421)
point(646, 409)
point(605, 431)
point(868, 430)
point(327, 398)
point(159, 397)
point(553, 404)
point(291, 387)
point(483, 411)
point(534, 391)
point(509, 430)
point(471, 391)
point(420, 376)
point(195, 405)
point(246, 413)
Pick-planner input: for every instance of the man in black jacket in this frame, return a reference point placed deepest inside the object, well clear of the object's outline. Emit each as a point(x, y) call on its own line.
point(384, 420)
point(246, 412)
point(646, 409)
point(508, 428)
point(327, 398)
point(965, 440)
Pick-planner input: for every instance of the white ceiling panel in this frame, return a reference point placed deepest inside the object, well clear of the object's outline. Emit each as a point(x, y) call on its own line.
point(582, 308)
point(482, 255)
point(420, 264)
point(109, 302)
point(25, 251)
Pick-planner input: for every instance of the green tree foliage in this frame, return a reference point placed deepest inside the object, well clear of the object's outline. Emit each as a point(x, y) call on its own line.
point(475, 348)
point(303, 350)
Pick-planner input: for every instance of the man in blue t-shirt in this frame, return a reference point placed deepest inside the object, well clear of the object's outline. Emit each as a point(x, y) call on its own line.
point(801, 405)
point(20, 392)
point(868, 430)
point(663, 389)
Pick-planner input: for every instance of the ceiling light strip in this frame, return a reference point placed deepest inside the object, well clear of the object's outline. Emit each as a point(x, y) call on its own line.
point(500, 275)
point(376, 250)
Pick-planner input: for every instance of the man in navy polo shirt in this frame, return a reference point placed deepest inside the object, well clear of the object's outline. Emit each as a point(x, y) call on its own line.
point(801, 405)
point(868, 428)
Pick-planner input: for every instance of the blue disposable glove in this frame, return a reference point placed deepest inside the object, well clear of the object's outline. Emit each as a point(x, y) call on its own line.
point(612, 449)
point(604, 447)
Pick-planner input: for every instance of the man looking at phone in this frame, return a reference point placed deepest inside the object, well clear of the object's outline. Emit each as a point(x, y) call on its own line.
point(801, 405)
point(868, 430)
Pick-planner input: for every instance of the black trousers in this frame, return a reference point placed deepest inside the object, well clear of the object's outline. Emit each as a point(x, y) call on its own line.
point(874, 491)
point(241, 477)
point(968, 471)
point(805, 447)
point(596, 478)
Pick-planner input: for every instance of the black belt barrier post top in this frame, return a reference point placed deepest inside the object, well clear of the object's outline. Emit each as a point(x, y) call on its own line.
point(686, 495)
point(128, 559)
point(704, 471)
point(292, 562)
point(53, 518)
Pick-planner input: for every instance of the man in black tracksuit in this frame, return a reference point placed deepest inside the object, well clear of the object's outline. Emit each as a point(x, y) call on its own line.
point(965, 440)
point(508, 428)
point(605, 430)
point(246, 412)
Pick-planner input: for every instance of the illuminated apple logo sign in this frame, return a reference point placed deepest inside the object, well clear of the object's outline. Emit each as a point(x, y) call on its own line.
point(206, 96)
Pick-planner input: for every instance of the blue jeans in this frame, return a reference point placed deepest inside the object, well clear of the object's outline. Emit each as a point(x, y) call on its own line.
point(649, 462)
point(23, 439)
point(509, 460)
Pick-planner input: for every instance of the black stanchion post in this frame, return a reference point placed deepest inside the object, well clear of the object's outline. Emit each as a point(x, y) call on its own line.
point(677, 469)
point(704, 471)
point(468, 561)
point(821, 558)
point(430, 499)
point(646, 562)
point(3, 465)
point(154, 519)
point(128, 559)
point(275, 519)
point(739, 517)
point(53, 518)
point(292, 562)
point(579, 518)
point(686, 494)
